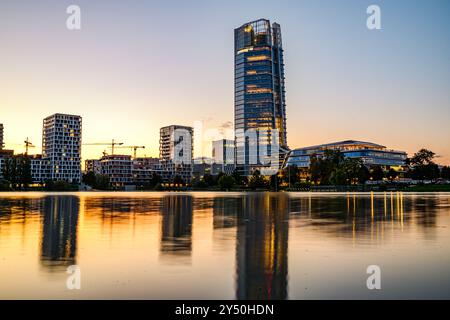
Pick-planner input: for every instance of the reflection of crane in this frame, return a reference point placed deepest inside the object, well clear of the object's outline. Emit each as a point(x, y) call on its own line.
point(134, 148)
point(112, 144)
point(28, 144)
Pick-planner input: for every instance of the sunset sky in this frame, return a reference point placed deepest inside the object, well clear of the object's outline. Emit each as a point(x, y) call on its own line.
point(139, 65)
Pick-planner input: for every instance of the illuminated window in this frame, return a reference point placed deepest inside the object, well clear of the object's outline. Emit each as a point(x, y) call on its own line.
point(258, 58)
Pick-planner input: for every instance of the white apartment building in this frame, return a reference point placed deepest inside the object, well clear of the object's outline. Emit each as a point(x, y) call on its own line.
point(176, 152)
point(61, 147)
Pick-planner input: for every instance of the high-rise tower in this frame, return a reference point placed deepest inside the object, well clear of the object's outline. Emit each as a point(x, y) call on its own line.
point(259, 106)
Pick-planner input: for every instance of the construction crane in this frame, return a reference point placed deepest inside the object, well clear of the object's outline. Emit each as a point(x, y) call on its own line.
point(112, 144)
point(28, 144)
point(134, 148)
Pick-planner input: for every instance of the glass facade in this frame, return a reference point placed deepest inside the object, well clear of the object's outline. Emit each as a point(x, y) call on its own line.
point(371, 154)
point(259, 92)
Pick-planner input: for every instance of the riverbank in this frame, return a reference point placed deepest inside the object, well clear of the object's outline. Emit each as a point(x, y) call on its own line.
point(351, 188)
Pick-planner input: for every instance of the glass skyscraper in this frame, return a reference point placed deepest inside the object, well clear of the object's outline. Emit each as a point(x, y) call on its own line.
point(259, 93)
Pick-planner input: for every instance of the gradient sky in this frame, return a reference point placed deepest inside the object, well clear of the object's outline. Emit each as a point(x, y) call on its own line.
point(138, 65)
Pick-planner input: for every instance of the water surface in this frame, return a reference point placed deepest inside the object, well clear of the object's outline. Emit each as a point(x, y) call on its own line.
point(224, 245)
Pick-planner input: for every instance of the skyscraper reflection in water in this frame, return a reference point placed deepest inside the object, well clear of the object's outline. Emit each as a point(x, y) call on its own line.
point(176, 224)
point(59, 231)
point(262, 247)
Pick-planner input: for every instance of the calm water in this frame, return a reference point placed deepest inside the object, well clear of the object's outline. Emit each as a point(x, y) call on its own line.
point(224, 245)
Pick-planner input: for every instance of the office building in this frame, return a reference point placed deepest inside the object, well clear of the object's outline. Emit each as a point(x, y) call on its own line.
point(61, 146)
point(223, 156)
point(202, 166)
point(176, 152)
point(260, 106)
point(371, 154)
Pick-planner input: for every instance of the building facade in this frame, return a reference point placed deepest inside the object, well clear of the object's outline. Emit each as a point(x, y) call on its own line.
point(223, 156)
point(371, 154)
point(144, 169)
point(176, 152)
point(93, 165)
point(118, 168)
point(259, 107)
point(61, 147)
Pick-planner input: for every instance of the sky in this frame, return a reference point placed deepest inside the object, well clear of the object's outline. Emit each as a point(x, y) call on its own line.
point(136, 66)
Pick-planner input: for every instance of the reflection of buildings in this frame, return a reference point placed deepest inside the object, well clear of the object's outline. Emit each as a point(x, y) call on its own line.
point(225, 212)
point(262, 248)
point(176, 226)
point(59, 231)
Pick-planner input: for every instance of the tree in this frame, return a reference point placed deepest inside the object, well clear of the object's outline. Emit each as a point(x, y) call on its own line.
point(377, 173)
point(274, 182)
point(392, 174)
point(423, 166)
point(445, 172)
point(291, 175)
point(237, 177)
point(226, 182)
point(102, 182)
point(209, 179)
point(338, 177)
point(156, 178)
point(422, 157)
point(256, 180)
point(363, 174)
point(314, 169)
point(178, 180)
point(89, 178)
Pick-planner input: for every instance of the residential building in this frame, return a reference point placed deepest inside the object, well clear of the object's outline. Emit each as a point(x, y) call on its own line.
point(38, 168)
point(4, 154)
point(260, 107)
point(371, 154)
point(144, 169)
point(118, 168)
point(93, 165)
point(202, 166)
point(176, 152)
point(61, 146)
point(223, 157)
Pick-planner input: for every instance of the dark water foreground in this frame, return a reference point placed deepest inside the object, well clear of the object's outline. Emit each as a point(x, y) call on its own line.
point(224, 245)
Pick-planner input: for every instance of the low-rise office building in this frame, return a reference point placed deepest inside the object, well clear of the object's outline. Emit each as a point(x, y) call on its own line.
point(371, 154)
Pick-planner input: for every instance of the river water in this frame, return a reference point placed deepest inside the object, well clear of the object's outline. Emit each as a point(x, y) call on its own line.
point(212, 245)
